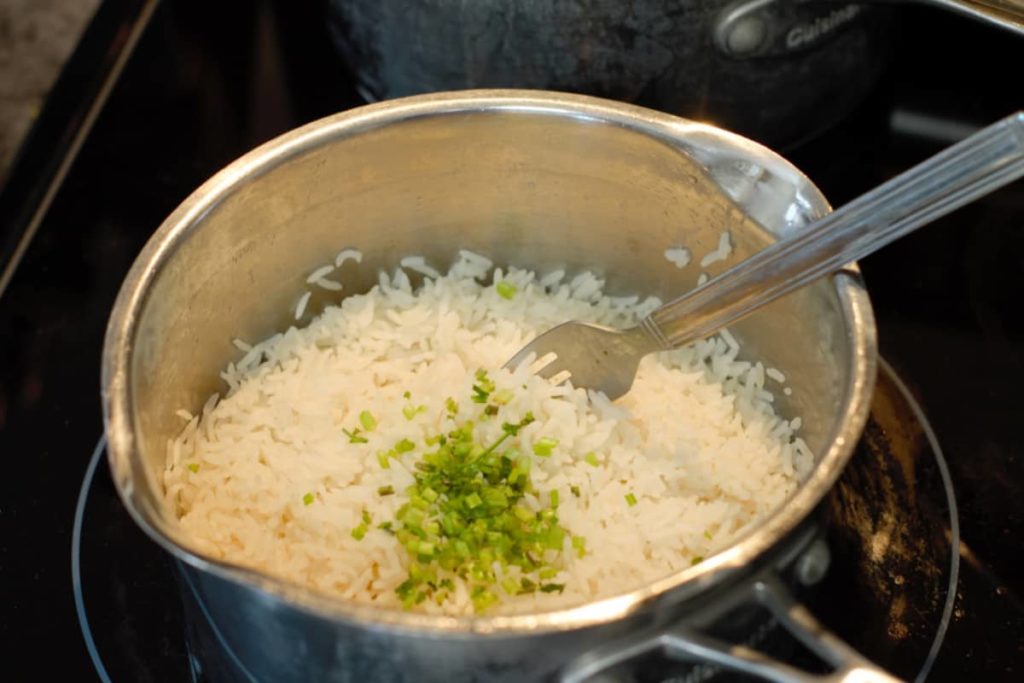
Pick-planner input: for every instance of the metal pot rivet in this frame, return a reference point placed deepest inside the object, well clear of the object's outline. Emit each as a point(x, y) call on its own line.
point(813, 565)
point(746, 35)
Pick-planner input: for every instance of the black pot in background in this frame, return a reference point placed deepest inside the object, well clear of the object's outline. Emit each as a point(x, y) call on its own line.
point(775, 71)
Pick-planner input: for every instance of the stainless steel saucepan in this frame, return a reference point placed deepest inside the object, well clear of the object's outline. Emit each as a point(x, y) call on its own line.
point(538, 179)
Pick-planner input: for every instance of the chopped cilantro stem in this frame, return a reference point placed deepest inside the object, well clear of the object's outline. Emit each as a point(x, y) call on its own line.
point(591, 459)
point(386, 491)
point(354, 437)
point(630, 499)
point(308, 499)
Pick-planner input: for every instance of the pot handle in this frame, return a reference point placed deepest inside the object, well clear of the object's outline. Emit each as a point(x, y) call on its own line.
point(684, 644)
point(1007, 14)
point(746, 29)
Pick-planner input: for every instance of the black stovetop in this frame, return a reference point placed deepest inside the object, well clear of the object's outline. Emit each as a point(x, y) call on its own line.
point(204, 85)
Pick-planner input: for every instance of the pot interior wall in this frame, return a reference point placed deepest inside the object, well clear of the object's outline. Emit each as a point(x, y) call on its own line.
point(530, 189)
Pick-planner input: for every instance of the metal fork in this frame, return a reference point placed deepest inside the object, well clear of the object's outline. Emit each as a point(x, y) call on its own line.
point(605, 359)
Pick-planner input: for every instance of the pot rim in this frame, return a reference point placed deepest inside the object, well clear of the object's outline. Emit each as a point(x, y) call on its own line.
point(122, 447)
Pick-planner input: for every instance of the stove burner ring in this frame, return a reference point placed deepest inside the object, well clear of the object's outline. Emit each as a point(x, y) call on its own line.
point(76, 569)
point(954, 519)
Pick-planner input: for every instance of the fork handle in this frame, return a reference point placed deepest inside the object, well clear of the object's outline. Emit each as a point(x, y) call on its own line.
point(975, 166)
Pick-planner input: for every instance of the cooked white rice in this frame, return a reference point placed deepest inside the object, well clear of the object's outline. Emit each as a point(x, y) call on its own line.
point(326, 283)
point(319, 274)
point(348, 255)
point(720, 253)
point(678, 256)
point(696, 440)
point(300, 308)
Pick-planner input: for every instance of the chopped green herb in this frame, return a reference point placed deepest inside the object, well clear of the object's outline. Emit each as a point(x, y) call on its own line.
point(193, 467)
point(407, 395)
point(354, 437)
point(482, 598)
point(513, 429)
point(359, 532)
point(411, 412)
point(580, 545)
point(382, 458)
point(308, 499)
point(707, 534)
point(591, 459)
point(465, 516)
point(386, 526)
point(575, 490)
point(696, 560)
point(552, 587)
point(451, 406)
point(412, 517)
point(544, 446)
point(366, 517)
point(630, 499)
point(483, 387)
point(506, 290)
point(368, 421)
point(386, 491)
point(502, 397)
